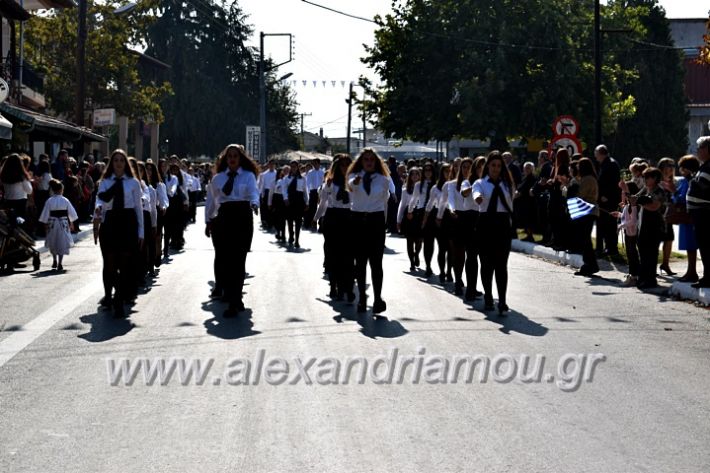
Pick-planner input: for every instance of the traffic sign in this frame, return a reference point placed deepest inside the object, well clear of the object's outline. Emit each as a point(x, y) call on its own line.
point(254, 141)
point(571, 143)
point(565, 125)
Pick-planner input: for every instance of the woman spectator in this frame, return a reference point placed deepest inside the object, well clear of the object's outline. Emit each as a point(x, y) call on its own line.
point(42, 179)
point(667, 168)
point(688, 166)
point(17, 186)
point(652, 200)
point(588, 191)
point(524, 204)
point(557, 207)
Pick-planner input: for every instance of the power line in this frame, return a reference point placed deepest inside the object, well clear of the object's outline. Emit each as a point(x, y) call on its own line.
point(349, 15)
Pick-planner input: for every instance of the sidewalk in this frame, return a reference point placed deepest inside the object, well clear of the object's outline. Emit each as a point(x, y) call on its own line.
point(675, 288)
point(39, 243)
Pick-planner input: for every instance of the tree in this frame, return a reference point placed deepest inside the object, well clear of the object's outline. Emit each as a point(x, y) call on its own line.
point(704, 57)
point(215, 78)
point(494, 68)
point(111, 69)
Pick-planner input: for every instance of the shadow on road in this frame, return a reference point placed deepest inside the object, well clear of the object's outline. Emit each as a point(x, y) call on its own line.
point(239, 326)
point(371, 327)
point(514, 321)
point(105, 327)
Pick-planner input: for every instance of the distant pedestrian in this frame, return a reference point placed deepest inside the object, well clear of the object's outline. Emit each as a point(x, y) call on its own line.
point(58, 215)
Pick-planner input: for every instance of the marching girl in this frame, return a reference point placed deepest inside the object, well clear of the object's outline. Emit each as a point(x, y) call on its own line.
point(228, 216)
point(464, 214)
point(437, 214)
point(162, 202)
point(59, 216)
point(150, 223)
point(406, 223)
point(119, 218)
point(334, 207)
point(295, 192)
point(177, 208)
point(428, 233)
point(369, 183)
point(494, 195)
point(276, 204)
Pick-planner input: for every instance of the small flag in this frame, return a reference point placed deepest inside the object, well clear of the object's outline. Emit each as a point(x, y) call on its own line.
point(579, 208)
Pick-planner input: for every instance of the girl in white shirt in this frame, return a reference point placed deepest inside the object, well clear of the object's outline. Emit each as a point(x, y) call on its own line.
point(17, 186)
point(176, 215)
point(406, 223)
point(464, 216)
point(276, 204)
point(437, 214)
point(369, 183)
point(426, 188)
point(162, 203)
point(494, 194)
point(118, 222)
point(228, 215)
point(58, 215)
point(295, 192)
point(150, 219)
point(334, 207)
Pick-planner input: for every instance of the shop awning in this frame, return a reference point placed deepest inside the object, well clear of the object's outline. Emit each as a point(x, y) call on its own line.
point(42, 127)
point(11, 10)
point(5, 129)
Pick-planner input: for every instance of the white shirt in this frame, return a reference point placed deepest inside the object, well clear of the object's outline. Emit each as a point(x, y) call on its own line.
point(301, 186)
point(171, 184)
point(314, 179)
point(459, 203)
point(329, 200)
point(267, 180)
point(422, 188)
point(195, 185)
point(408, 202)
point(162, 196)
point(18, 190)
point(58, 202)
point(132, 198)
point(150, 204)
point(244, 190)
point(434, 199)
point(376, 200)
point(447, 188)
point(276, 189)
point(43, 183)
point(484, 188)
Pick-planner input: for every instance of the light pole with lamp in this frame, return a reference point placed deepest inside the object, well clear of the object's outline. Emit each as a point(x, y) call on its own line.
point(263, 70)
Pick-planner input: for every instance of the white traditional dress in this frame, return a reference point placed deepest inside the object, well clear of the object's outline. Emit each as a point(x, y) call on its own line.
point(57, 214)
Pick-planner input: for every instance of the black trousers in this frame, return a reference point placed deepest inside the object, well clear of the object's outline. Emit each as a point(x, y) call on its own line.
point(494, 237)
point(607, 236)
point(294, 214)
point(278, 214)
point(339, 258)
point(466, 248)
point(232, 232)
point(193, 197)
point(369, 232)
point(649, 240)
point(147, 254)
point(266, 220)
point(118, 237)
point(312, 206)
point(632, 254)
point(701, 222)
point(582, 238)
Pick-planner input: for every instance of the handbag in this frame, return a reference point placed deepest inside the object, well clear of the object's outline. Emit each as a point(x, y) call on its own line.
point(677, 214)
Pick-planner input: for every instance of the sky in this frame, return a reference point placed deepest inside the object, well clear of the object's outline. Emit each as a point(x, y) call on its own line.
point(328, 47)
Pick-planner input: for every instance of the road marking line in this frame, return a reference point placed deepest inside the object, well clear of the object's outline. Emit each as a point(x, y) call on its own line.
point(34, 329)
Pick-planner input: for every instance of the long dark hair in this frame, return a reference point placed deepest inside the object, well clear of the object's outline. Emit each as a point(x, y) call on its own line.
point(108, 172)
point(410, 182)
point(562, 163)
point(428, 165)
point(335, 175)
point(379, 164)
point(43, 168)
point(245, 162)
point(155, 178)
point(504, 171)
point(586, 168)
point(444, 174)
point(297, 175)
point(13, 171)
point(459, 175)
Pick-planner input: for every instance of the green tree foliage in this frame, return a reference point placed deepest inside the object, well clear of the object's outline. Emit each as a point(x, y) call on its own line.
point(215, 78)
point(111, 69)
point(498, 68)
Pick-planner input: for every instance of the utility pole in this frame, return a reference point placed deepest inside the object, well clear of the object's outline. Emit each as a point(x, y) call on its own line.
point(303, 135)
point(597, 74)
point(350, 113)
point(81, 65)
point(262, 87)
point(364, 129)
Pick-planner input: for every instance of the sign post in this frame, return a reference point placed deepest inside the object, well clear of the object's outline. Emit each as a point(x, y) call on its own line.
point(566, 130)
point(254, 142)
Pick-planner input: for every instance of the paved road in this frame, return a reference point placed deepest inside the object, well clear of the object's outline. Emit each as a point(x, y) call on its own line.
point(646, 409)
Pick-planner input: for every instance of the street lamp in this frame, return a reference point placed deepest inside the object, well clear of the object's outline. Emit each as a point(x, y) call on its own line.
point(262, 87)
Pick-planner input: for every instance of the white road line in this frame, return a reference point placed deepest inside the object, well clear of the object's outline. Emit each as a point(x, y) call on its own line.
point(31, 331)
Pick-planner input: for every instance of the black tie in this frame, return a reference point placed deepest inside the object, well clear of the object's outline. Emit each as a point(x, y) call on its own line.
point(367, 182)
point(229, 186)
point(115, 194)
point(495, 197)
point(342, 195)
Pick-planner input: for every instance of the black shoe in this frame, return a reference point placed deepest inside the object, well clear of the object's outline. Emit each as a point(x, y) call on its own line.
point(416, 261)
point(647, 285)
point(428, 272)
point(333, 293)
point(442, 278)
point(449, 278)
point(470, 295)
point(412, 269)
point(297, 245)
point(502, 308)
point(664, 268)
point(362, 304)
point(379, 306)
point(586, 272)
point(60, 267)
point(118, 310)
point(458, 289)
point(351, 297)
point(54, 265)
point(234, 309)
point(216, 294)
point(106, 301)
point(704, 283)
point(489, 307)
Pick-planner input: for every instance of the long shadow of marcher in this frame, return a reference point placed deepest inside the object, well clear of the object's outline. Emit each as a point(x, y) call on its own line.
point(345, 310)
point(514, 321)
point(233, 328)
point(380, 327)
point(105, 327)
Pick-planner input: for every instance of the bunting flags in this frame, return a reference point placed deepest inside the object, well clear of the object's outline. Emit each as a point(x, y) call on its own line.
point(333, 84)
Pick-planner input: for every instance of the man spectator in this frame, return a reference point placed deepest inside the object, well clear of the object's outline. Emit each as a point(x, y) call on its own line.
point(542, 196)
point(609, 198)
point(513, 168)
point(59, 167)
point(698, 202)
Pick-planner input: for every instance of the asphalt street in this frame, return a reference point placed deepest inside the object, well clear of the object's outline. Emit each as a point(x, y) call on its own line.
point(647, 408)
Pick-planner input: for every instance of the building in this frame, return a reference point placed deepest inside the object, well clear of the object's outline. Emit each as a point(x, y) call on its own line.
point(688, 34)
point(27, 124)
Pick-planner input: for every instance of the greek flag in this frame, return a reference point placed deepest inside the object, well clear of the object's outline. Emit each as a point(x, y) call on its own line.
point(579, 208)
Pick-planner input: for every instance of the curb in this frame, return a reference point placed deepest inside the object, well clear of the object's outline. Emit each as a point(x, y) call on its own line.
point(561, 257)
point(78, 237)
point(684, 291)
